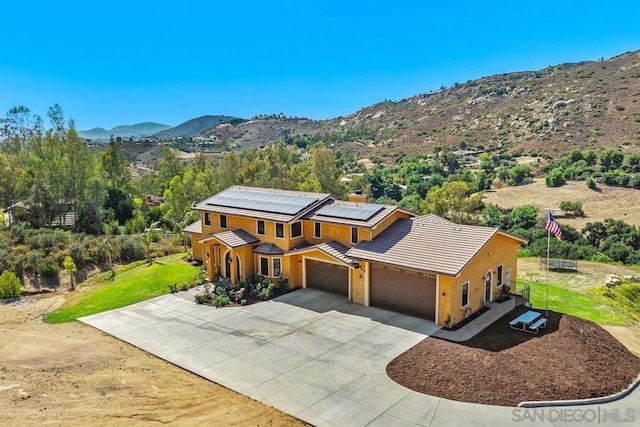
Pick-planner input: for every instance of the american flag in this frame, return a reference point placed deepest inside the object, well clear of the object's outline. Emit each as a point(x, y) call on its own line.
point(553, 226)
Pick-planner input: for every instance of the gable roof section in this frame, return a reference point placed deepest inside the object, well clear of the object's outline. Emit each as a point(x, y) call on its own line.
point(264, 203)
point(232, 239)
point(196, 227)
point(334, 249)
point(427, 243)
point(354, 214)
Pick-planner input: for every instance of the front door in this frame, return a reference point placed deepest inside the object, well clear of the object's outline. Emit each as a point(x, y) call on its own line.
point(217, 262)
point(227, 265)
point(487, 287)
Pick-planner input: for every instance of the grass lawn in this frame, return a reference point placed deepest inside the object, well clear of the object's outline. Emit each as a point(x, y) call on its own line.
point(132, 283)
point(562, 300)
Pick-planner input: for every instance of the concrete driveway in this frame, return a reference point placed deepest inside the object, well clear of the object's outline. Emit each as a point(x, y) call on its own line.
point(310, 354)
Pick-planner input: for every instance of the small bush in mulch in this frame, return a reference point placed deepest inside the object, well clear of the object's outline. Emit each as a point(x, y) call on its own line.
point(570, 359)
point(222, 293)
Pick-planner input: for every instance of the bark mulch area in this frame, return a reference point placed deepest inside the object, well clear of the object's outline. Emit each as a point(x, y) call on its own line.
point(570, 359)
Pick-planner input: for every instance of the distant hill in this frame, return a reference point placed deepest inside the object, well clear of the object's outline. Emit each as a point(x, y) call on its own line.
point(124, 131)
point(591, 104)
point(195, 126)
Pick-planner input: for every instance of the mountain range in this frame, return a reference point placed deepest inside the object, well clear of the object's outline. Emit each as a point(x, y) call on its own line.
point(139, 130)
point(590, 104)
point(194, 126)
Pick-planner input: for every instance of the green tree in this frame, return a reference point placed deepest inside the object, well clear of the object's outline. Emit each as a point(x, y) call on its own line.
point(518, 174)
point(167, 168)
point(70, 268)
point(555, 178)
point(632, 163)
point(492, 216)
point(452, 201)
point(326, 172)
point(114, 167)
point(90, 211)
point(10, 170)
point(523, 217)
point(572, 207)
point(611, 160)
point(18, 127)
point(10, 286)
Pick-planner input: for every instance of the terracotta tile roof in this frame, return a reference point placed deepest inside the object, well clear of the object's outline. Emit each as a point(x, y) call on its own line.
point(334, 249)
point(427, 243)
point(263, 203)
point(337, 250)
point(196, 227)
point(232, 239)
point(384, 212)
point(268, 249)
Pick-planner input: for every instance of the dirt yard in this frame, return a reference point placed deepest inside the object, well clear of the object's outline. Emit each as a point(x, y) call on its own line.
point(570, 359)
point(74, 375)
point(605, 202)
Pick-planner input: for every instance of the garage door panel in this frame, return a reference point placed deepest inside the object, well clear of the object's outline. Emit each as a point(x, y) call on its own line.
point(403, 291)
point(327, 277)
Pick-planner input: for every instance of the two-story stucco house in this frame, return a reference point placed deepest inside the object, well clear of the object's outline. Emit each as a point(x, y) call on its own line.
point(375, 255)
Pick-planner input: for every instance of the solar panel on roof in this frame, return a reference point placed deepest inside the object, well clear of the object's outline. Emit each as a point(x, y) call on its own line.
point(262, 201)
point(360, 213)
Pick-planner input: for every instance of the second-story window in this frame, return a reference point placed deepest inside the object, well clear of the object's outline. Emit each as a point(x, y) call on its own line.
point(317, 230)
point(260, 228)
point(354, 234)
point(296, 229)
point(223, 221)
point(280, 230)
point(207, 218)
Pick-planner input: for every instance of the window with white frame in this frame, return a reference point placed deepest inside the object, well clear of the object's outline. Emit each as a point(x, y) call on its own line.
point(223, 221)
point(354, 234)
point(280, 230)
point(277, 267)
point(264, 266)
point(260, 228)
point(499, 274)
point(465, 294)
point(207, 218)
point(317, 230)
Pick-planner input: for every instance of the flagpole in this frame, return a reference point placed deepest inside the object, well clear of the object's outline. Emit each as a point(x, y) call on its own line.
point(548, 244)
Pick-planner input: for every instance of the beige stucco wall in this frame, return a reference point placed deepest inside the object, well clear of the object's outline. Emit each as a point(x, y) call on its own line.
point(500, 250)
point(357, 285)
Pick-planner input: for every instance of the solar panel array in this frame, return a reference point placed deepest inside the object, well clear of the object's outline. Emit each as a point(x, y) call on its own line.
point(361, 213)
point(263, 201)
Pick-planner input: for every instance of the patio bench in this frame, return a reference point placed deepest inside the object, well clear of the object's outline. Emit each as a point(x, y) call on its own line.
point(540, 323)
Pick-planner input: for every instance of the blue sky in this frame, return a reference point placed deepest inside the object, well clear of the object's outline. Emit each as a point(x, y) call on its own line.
point(116, 62)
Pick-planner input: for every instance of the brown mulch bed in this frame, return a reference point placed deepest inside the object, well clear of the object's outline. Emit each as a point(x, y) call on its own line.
point(570, 359)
